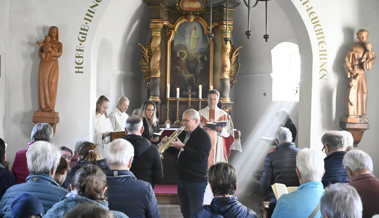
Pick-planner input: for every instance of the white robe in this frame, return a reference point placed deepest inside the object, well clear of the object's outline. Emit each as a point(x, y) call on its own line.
point(102, 125)
point(118, 119)
point(218, 142)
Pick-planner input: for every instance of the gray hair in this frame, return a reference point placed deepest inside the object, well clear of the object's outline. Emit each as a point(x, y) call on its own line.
point(357, 160)
point(310, 165)
point(42, 132)
point(347, 138)
point(340, 200)
point(283, 135)
point(133, 124)
point(119, 152)
point(334, 139)
point(193, 114)
point(42, 157)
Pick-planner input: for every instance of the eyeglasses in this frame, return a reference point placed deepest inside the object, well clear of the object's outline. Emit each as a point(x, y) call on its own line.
point(67, 157)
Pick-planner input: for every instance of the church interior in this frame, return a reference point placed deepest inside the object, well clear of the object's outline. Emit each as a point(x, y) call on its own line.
point(294, 59)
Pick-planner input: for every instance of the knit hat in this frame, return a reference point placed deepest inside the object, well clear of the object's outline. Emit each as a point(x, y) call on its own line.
point(25, 204)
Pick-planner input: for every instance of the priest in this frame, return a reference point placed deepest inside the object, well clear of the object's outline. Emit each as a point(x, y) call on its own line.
point(219, 125)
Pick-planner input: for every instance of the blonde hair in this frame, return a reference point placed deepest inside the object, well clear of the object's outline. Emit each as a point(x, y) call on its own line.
point(99, 102)
point(153, 119)
point(122, 100)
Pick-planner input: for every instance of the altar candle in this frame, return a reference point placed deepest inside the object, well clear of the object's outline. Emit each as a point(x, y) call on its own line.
point(211, 88)
point(200, 91)
point(177, 92)
point(168, 91)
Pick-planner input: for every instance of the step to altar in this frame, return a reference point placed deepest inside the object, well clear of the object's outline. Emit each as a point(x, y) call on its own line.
point(166, 194)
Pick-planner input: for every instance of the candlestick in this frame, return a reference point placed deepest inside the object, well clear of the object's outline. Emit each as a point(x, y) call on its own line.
point(211, 88)
point(168, 91)
point(177, 92)
point(200, 91)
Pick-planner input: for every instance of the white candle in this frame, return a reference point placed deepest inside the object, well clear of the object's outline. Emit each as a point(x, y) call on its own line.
point(200, 91)
point(168, 91)
point(177, 92)
point(211, 88)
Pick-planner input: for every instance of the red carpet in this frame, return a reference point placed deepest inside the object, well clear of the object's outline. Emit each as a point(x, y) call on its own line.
point(165, 189)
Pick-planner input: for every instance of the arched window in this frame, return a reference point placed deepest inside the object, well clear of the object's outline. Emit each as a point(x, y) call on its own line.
point(285, 72)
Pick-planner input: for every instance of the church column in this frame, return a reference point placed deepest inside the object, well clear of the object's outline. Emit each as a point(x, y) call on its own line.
point(225, 66)
point(155, 65)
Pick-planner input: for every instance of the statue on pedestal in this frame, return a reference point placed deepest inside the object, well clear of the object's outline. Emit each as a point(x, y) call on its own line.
point(358, 60)
point(49, 52)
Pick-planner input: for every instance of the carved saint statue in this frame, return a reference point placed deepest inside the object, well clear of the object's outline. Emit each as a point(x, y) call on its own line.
point(358, 60)
point(49, 52)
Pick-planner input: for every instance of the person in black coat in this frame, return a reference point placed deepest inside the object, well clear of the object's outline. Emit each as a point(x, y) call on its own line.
point(150, 122)
point(222, 178)
point(335, 149)
point(192, 147)
point(147, 164)
point(280, 165)
point(126, 193)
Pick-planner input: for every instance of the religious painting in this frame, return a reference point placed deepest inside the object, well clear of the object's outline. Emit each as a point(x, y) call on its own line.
point(190, 59)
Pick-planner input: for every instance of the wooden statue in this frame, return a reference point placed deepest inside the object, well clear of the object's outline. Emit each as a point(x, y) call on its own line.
point(49, 52)
point(358, 60)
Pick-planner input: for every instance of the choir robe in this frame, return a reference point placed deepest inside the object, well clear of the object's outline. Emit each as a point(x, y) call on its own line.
point(221, 142)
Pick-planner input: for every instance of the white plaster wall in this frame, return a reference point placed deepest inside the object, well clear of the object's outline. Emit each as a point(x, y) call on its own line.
point(28, 23)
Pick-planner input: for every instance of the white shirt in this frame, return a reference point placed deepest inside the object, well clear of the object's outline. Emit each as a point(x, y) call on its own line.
point(118, 119)
point(102, 125)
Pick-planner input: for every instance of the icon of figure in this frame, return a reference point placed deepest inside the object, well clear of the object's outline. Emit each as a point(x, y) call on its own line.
point(357, 62)
point(186, 78)
point(48, 73)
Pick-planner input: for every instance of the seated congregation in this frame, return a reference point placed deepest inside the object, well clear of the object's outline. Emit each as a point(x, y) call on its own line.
point(62, 183)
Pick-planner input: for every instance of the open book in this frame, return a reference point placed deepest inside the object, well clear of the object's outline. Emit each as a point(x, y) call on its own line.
point(157, 134)
point(281, 189)
point(212, 125)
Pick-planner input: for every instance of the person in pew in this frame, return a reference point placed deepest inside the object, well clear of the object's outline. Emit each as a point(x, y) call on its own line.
point(87, 154)
point(67, 155)
point(119, 115)
point(61, 172)
point(40, 132)
point(26, 205)
point(42, 159)
point(126, 193)
point(341, 201)
point(88, 186)
point(192, 148)
point(359, 168)
point(150, 122)
point(6, 177)
point(280, 166)
point(348, 140)
point(283, 116)
point(334, 147)
point(222, 178)
point(304, 202)
point(147, 163)
point(103, 125)
point(85, 209)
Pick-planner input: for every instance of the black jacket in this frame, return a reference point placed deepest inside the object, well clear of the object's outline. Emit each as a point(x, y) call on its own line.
point(192, 164)
point(147, 164)
point(130, 195)
point(334, 170)
point(279, 167)
point(146, 133)
point(225, 207)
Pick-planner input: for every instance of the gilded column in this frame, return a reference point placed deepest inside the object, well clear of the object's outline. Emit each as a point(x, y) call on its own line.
point(225, 65)
point(156, 29)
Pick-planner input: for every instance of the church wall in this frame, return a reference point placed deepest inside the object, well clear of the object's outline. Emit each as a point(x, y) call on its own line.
point(112, 57)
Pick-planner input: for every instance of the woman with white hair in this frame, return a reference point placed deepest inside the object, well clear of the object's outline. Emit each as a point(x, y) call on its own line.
point(359, 166)
point(341, 201)
point(304, 202)
point(40, 132)
point(42, 159)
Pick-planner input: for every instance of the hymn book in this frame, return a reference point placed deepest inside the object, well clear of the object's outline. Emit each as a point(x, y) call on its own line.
point(280, 189)
point(213, 125)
